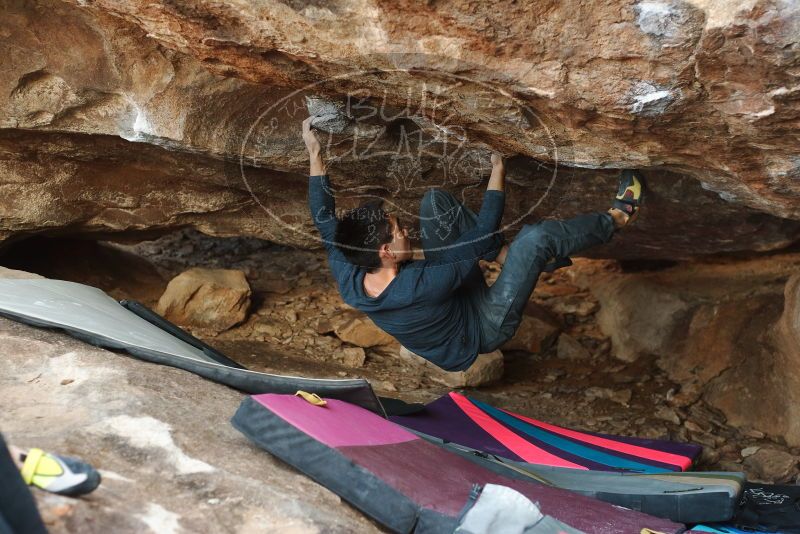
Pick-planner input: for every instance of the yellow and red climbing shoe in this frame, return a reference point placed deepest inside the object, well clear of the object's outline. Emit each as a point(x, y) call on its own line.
point(58, 474)
point(630, 195)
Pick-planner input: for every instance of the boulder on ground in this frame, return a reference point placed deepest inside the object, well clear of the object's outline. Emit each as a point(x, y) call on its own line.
point(213, 299)
point(355, 328)
point(486, 368)
point(771, 466)
point(536, 333)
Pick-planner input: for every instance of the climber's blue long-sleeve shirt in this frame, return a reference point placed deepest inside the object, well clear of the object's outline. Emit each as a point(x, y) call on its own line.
point(422, 306)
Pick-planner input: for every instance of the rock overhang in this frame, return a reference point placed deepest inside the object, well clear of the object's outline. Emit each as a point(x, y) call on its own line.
point(662, 86)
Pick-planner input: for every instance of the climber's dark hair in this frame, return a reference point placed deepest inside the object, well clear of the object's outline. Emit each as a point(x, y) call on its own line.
point(361, 231)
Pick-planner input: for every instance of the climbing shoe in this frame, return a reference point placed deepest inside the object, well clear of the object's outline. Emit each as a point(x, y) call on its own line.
point(58, 474)
point(630, 195)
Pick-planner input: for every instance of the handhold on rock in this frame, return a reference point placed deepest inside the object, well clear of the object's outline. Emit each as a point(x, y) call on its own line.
point(329, 116)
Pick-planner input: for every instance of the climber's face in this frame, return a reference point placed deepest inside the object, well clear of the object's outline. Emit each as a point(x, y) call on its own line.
point(400, 245)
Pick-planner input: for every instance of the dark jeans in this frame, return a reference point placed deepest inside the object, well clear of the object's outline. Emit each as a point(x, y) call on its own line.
point(18, 513)
point(500, 307)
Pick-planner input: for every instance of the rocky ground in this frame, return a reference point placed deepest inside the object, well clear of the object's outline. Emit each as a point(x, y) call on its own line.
point(562, 367)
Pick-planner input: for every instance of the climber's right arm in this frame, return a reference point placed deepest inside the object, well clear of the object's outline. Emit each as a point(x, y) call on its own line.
point(317, 166)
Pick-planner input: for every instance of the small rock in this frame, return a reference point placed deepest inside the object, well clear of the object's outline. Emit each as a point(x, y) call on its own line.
point(709, 440)
point(771, 466)
point(535, 334)
point(709, 456)
point(67, 381)
point(384, 385)
point(267, 329)
point(323, 326)
point(578, 305)
point(622, 396)
point(570, 348)
point(216, 299)
point(655, 432)
point(351, 356)
point(686, 396)
point(326, 343)
point(666, 413)
point(624, 378)
point(554, 375)
point(757, 434)
point(727, 465)
point(291, 316)
point(749, 451)
point(486, 368)
point(357, 329)
point(692, 426)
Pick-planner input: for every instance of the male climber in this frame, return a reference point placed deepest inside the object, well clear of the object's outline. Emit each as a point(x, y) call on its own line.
point(441, 308)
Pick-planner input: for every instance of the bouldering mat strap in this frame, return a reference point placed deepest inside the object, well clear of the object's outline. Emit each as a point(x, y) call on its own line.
point(311, 398)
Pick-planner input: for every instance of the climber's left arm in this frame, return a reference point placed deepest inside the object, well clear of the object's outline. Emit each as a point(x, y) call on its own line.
point(321, 201)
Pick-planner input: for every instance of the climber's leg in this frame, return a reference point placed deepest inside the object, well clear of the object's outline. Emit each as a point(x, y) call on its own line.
point(502, 305)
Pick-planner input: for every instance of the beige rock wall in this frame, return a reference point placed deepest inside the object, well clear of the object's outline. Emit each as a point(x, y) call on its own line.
point(132, 117)
point(727, 333)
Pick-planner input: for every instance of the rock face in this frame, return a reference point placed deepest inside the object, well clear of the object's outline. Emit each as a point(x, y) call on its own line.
point(726, 332)
point(131, 117)
point(161, 437)
point(640, 317)
point(213, 299)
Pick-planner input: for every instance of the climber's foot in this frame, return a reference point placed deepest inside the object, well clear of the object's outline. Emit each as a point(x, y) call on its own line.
point(58, 474)
point(629, 199)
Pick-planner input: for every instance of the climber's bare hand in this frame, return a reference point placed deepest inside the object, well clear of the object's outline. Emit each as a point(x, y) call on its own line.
point(310, 138)
point(497, 159)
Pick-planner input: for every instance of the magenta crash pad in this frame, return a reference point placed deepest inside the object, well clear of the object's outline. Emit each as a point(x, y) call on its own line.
point(399, 479)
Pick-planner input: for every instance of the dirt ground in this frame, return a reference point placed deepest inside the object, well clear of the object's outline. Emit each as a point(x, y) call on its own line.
point(292, 291)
